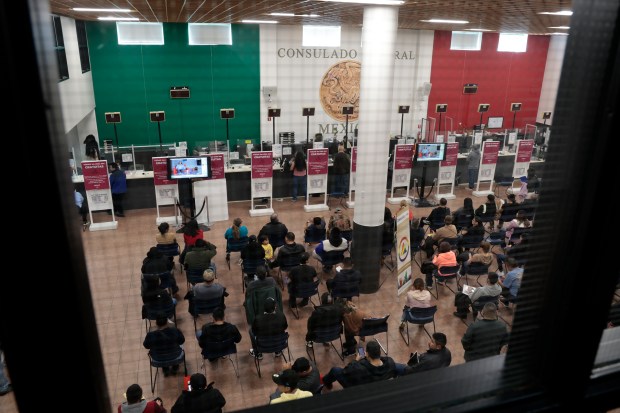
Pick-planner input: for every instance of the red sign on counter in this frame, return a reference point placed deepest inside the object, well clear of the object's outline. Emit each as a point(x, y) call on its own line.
point(217, 165)
point(317, 161)
point(354, 159)
point(262, 164)
point(160, 172)
point(524, 151)
point(403, 156)
point(95, 175)
point(452, 152)
point(490, 152)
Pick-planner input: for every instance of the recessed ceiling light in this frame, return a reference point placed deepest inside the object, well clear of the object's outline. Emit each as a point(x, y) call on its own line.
point(124, 19)
point(479, 30)
point(558, 13)
point(445, 21)
point(114, 10)
point(260, 21)
point(559, 27)
point(381, 2)
point(558, 34)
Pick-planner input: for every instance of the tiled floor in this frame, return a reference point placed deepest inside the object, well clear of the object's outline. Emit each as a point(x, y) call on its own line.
point(114, 259)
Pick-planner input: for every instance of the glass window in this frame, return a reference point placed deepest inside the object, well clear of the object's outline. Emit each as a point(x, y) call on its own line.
point(466, 41)
point(59, 45)
point(80, 28)
point(207, 34)
point(140, 33)
point(512, 42)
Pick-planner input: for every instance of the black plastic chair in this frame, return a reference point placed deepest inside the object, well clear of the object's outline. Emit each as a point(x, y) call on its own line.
point(235, 245)
point(471, 241)
point(153, 311)
point(248, 269)
point(348, 235)
point(373, 326)
point(220, 349)
point(165, 360)
point(331, 258)
point(386, 250)
point(420, 316)
point(271, 344)
point(306, 291)
point(345, 289)
point(477, 305)
point(327, 334)
point(204, 307)
point(194, 276)
point(287, 263)
point(443, 275)
point(170, 251)
point(314, 235)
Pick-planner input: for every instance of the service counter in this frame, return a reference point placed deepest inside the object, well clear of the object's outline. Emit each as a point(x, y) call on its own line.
point(141, 192)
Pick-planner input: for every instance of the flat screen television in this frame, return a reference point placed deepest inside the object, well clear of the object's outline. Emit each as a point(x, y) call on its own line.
point(184, 167)
point(427, 152)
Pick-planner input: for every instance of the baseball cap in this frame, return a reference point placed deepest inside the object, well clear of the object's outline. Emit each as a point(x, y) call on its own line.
point(288, 378)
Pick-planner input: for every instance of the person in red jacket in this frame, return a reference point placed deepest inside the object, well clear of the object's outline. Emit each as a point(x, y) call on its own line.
point(137, 404)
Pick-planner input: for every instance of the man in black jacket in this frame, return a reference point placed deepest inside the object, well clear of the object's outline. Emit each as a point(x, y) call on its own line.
point(289, 254)
point(368, 369)
point(346, 277)
point(437, 356)
point(200, 399)
point(341, 170)
point(217, 331)
point(303, 273)
point(327, 314)
point(274, 230)
point(270, 323)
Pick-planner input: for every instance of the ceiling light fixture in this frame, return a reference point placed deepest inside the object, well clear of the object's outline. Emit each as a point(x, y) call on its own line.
point(558, 13)
point(282, 14)
point(379, 2)
point(122, 19)
point(260, 21)
point(103, 10)
point(559, 27)
point(445, 21)
point(558, 34)
point(479, 30)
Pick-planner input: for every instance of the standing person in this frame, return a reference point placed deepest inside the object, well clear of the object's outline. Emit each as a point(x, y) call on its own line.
point(137, 404)
point(200, 399)
point(264, 242)
point(82, 206)
point(342, 167)
point(473, 163)
point(92, 148)
point(118, 186)
point(298, 166)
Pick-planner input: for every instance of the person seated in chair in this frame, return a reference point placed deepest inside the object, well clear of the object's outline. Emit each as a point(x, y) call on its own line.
point(156, 263)
point(217, 331)
point(346, 275)
point(484, 257)
point(417, 297)
point(474, 232)
point(325, 315)
point(165, 343)
point(201, 398)
point(200, 257)
point(287, 382)
point(335, 242)
point(368, 369)
point(261, 281)
point(339, 220)
point(270, 323)
point(154, 298)
point(289, 252)
point(463, 301)
point(517, 251)
point(275, 231)
point(206, 291)
point(508, 208)
point(511, 282)
point(463, 216)
point(352, 318)
point(314, 229)
point(485, 337)
point(520, 221)
point(253, 251)
point(309, 376)
point(488, 210)
point(445, 258)
point(137, 404)
point(438, 214)
point(447, 231)
point(436, 356)
point(303, 273)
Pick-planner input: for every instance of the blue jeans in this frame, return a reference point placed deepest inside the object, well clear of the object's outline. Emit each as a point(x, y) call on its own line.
point(342, 183)
point(297, 182)
point(336, 374)
point(473, 176)
point(500, 261)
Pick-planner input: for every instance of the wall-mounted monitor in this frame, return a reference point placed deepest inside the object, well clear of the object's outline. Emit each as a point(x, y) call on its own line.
point(495, 122)
point(470, 89)
point(186, 167)
point(428, 152)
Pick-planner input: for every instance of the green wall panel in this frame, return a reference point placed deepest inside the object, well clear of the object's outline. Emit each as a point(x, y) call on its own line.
point(135, 80)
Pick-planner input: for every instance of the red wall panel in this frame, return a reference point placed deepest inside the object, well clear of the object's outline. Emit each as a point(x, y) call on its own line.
point(502, 78)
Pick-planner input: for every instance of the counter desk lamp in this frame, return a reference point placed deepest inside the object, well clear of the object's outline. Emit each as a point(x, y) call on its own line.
point(228, 113)
point(272, 113)
point(114, 118)
point(402, 109)
point(441, 108)
point(346, 111)
point(307, 112)
point(514, 108)
point(158, 116)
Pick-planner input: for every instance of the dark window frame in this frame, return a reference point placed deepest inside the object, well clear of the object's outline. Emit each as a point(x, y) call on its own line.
point(82, 39)
point(59, 47)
